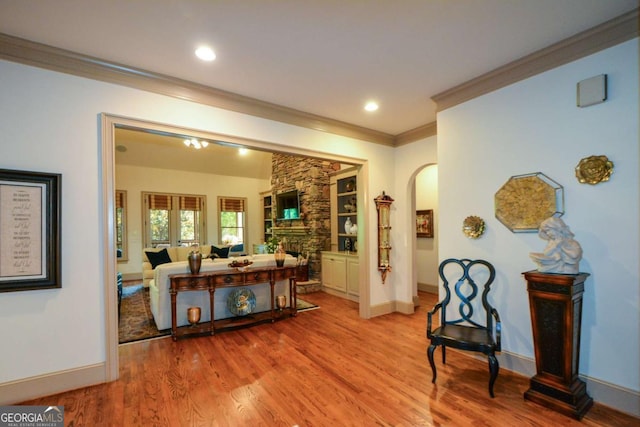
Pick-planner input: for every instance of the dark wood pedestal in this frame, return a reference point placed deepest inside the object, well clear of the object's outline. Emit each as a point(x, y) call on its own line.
point(555, 301)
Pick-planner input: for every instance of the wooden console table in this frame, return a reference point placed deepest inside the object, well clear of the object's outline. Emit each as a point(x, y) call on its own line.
point(212, 280)
point(555, 301)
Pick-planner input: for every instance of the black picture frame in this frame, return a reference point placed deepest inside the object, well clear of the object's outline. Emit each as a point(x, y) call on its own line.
point(29, 230)
point(424, 223)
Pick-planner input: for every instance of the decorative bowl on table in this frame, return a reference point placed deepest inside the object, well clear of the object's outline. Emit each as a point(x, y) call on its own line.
point(241, 302)
point(240, 265)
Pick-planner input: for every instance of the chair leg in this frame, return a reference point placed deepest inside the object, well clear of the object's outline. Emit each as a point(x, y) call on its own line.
point(494, 367)
point(430, 351)
point(444, 354)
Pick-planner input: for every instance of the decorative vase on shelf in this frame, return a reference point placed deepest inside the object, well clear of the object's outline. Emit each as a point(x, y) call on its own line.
point(279, 255)
point(350, 186)
point(195, 260)
point(347, 225)
point(348, 245)
point(353, 229)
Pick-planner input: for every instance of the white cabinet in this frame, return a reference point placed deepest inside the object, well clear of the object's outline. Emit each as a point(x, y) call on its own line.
point(340, 274)
point(334, 271)
point(353, 283)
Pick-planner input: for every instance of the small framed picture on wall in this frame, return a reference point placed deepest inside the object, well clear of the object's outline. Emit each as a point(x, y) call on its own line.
point(424, 223)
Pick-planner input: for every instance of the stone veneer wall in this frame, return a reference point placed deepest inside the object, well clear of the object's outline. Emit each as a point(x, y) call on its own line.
point(312, 232)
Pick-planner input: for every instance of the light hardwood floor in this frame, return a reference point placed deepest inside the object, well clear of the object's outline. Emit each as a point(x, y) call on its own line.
point(325, 367)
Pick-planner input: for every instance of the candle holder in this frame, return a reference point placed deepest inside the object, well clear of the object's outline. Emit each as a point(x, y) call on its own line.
point(193, 315)
point(281, 302)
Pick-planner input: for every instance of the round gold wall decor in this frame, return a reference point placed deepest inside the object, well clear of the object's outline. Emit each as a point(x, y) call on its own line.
point(594, 169)
point(524, 201)
point(473, 227)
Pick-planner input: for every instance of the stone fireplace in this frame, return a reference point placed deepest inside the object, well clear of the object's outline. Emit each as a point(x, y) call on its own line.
point(311, 233)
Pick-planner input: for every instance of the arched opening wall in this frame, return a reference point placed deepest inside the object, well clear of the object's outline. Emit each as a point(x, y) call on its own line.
point(410, 160)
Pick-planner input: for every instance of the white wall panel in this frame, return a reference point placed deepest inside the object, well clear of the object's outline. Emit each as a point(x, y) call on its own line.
point(533, 126)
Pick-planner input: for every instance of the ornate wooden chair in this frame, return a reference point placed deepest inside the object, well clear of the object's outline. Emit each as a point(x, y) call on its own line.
point(465, 331)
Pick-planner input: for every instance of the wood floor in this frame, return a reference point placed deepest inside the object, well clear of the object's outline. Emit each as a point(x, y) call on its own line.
point(325, 367)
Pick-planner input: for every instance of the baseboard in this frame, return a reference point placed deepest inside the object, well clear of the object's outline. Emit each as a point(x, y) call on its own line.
point(405, 307)
point(611, 395)
point(14, 392)
point(619, 398)
point(382, 309)
point(425, 287)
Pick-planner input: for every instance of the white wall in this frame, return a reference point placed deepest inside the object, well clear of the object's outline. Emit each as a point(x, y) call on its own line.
point(50, 122)
point(427, 248)
point(533, 126)
point(135, 180)
point(409, 159)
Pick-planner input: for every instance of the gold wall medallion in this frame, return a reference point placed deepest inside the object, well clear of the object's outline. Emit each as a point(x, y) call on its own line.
point(473, 226)
point(524, 201)
point(594, 169)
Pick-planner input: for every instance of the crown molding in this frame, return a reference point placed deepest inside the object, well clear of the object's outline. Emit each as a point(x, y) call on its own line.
point(608, 34)
point(52, 58)
point(603, 36)
point(421, 132)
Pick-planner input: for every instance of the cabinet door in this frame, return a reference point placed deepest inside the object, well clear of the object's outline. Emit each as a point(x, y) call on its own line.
point(334, 272)
point(353, 274)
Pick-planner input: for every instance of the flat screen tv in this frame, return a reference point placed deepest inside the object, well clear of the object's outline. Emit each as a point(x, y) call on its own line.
point(288, 205)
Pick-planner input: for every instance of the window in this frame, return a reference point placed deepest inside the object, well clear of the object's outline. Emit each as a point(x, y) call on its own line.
point(231, 218)
point(173, 219)
point(121, 226)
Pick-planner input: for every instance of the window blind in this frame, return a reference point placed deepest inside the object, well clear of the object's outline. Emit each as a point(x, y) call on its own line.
point(159, 201)
point(120, 202)
point(231, 205)
point(190, 203)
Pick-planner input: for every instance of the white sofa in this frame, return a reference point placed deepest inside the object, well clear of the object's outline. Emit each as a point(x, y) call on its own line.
point(178, 253)
point(160, 299)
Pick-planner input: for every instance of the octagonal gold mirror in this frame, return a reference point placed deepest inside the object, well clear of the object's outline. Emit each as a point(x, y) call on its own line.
point(524, 201)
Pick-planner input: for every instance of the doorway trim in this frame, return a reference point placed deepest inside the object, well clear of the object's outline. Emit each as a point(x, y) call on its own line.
point(108, 124)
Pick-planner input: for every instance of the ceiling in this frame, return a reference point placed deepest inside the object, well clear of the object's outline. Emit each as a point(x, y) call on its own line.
point(144, 149)
point(325, 57)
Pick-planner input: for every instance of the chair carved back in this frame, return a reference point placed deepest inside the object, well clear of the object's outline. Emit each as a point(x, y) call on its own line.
point(466, 290)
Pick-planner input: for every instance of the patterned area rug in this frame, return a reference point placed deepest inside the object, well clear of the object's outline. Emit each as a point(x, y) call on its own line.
point(136, 321)
point(302, 305)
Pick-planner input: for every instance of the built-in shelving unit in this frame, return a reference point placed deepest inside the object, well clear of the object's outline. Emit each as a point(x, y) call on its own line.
point(267, 214)
point(344, 211)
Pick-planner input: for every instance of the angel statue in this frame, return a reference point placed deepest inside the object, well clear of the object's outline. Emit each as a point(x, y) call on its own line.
point(562, 254)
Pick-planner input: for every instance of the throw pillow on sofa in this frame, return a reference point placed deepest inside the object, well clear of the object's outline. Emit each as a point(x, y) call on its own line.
point(157, 258)
point(217, 252)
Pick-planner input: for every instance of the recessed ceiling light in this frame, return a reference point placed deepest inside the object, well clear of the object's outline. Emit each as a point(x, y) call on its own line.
point(243, 151)
point(205, 53)
point(371, 106)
